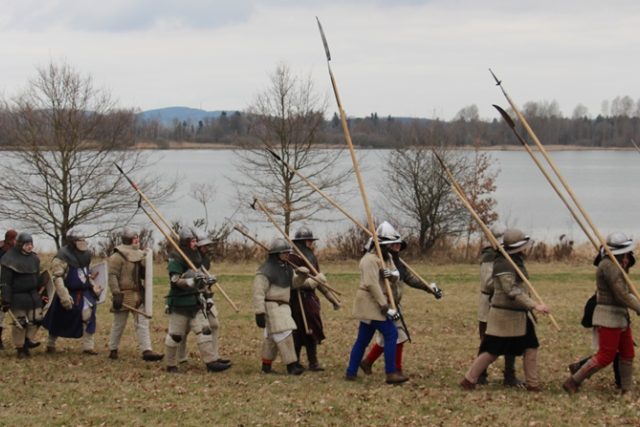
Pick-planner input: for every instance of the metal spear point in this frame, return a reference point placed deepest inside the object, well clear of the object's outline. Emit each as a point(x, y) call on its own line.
point(512, 125)
point(567, 188)
point(457, 189)
point(356, 169)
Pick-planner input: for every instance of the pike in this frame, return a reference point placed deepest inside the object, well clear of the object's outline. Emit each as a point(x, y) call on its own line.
point(566, 186)
point(635, 145)
point(344, 212)
point(512, 125)
point(356, 167)
point(461, 195)
point(242, 230)
point(135, 310)
point(168, 237)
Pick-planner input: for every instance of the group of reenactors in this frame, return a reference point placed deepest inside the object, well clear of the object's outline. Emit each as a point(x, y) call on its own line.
point(287, 307)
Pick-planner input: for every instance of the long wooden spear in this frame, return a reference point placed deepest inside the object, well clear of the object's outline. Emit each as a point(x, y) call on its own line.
point(184, 256)
point(457, 189)
point(512, 125)
point(566, 186)
point(356, 167)
point(344, 212)
point(320, 283)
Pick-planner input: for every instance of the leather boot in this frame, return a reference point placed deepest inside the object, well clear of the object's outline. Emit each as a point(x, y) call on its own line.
point(396, 378)
point(22, 352)
point(575, 367)
point(466, 384)
point(365, 365)
point(312, 356)
point(294, 369)
point(625, 368)
point(266, 368)
point(216, 366)
point(113, 354)
point(151, 356)
point(572, 384)
point(510, 379)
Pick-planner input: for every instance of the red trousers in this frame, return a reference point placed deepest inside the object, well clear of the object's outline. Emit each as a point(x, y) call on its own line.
point(612, 341)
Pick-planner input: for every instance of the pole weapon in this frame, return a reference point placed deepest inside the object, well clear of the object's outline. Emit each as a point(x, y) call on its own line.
point(461, 195)
point(356, 167)
point(566, 186)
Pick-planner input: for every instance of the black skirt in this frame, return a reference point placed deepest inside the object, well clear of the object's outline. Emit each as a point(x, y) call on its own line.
point(513, 346)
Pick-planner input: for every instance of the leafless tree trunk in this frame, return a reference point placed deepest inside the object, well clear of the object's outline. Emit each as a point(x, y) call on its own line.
point(65, 136)
point(288, 118)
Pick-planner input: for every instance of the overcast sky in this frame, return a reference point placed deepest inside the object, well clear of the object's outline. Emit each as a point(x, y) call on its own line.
point(420, 58)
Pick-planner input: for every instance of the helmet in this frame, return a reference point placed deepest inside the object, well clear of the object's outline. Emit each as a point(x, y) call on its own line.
point(128, 235)
point(76, 238)
point(24, 237)
point(303, 233)
point(279, 246)
point(619, 243)
point(515, 241)
point(388, 235)
point(204, 241)
point(186, 235)
point(498, 229)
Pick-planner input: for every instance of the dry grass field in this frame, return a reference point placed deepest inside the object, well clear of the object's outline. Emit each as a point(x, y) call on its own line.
point(69, 388)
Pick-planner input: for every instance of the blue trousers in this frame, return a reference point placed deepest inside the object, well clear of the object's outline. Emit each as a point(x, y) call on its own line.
point(365, 333)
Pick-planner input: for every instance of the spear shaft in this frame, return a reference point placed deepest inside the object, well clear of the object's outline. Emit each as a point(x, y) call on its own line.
point(343, 211)
point(566, 186)
point(356, 168)
point(511, 124)
point(457, 189)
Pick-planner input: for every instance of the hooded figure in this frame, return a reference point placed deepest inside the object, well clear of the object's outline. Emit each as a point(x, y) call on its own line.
point(72, 313)
point(611, 316)
point(19, 271)
point(5, 245)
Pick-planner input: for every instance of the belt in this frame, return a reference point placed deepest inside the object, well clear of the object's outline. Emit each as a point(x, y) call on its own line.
point(277, 301)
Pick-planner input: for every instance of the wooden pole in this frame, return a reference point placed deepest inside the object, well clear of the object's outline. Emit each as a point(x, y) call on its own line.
point(295, 267)
point(461, 195)
point(341, 209)
point(135, 310)
point(356, 169)
point(567, 188)
point(186, 258)
point(511, 124)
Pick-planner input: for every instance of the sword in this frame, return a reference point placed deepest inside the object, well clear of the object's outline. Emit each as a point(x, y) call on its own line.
point(404, 325)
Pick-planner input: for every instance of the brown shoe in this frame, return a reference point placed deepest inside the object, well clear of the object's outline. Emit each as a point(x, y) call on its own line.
point(467, 385)
point(396, 378)
point(91, 352)
point(571, 386)
point(51, 349)
point(574, 367)
point(366, 366)
point(113, 354)
point(348, 377)
point(533, 388)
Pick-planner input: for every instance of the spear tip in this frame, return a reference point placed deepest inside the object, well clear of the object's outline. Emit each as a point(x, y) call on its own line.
point(324, 40)
point(505, 116)
point(498, 82)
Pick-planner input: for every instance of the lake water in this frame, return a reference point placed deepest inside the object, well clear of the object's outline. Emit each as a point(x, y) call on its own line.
point(604, 182)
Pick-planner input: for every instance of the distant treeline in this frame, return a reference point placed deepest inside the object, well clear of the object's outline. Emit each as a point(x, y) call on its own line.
point(237, 129)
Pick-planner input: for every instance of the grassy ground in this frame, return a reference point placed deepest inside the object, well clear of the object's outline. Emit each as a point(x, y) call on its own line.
point(68, 388)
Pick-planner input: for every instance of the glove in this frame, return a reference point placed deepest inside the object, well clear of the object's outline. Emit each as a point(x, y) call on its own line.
point(437, 292)
point(209, 303)
point(118, 299)
point(211, 280)
point(389, 274)
point(5, 306)
point(302, 271)
point(67, 303)
point(393, 314)
point(261, 320)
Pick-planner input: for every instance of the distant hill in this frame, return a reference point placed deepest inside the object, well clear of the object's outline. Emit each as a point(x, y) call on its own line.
point(167, 115)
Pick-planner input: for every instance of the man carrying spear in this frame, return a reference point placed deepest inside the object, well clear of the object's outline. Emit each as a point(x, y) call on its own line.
point(510, 327)
point(611, 316)
point(309, 332)
point(386, 232)
point(271, 296)
point(187, 306)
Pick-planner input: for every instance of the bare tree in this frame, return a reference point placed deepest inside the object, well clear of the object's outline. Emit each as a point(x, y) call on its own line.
point(419, 192)
point(65, 136)
point(288, 117)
